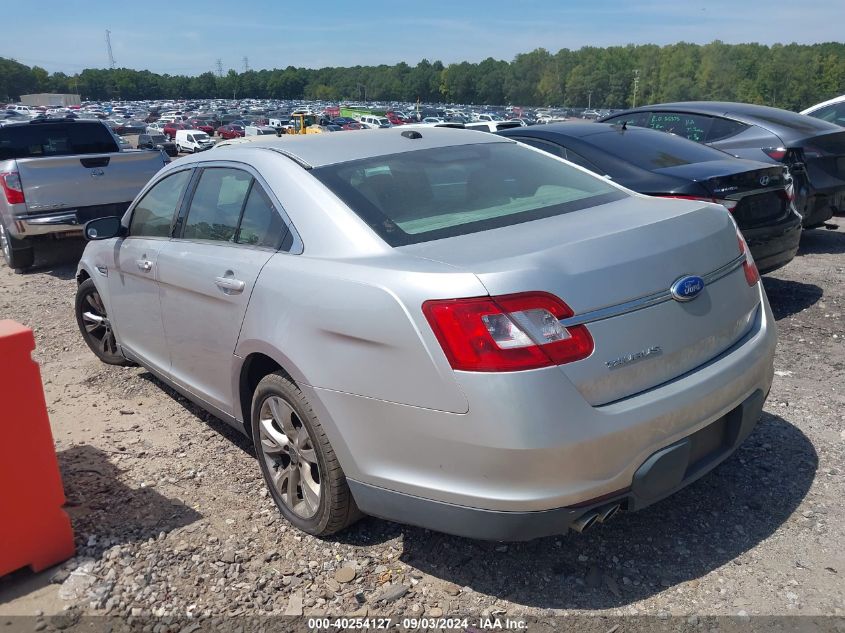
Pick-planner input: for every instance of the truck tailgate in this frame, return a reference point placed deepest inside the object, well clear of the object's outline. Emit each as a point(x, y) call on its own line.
point(68, 182)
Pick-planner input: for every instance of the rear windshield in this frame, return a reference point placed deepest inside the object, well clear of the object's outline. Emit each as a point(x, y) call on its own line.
point(55, 139)
point(437, 193)
point(653, 150)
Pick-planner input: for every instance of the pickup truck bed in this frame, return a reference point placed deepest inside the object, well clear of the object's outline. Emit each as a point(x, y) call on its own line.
point(55, 175)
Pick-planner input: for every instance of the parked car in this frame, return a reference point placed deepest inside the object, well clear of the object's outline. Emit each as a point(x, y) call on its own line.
point(492, 126)
point(202, 125)
point(172, 127)
point(230, 131)
point(191, 141)
point(157, 141)
point(832, 111)
point(374, 122)
point(259, 130)
point(516, 346)
point(659, 164)
point(56, 174)
point(813, 150)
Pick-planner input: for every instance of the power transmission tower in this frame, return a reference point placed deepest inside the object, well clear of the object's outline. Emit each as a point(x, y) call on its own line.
point(636, 86)
point(108, 46)
point(246, 64)
point(219, 67)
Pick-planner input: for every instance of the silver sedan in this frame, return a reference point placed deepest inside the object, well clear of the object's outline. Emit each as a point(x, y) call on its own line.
point(439, 327)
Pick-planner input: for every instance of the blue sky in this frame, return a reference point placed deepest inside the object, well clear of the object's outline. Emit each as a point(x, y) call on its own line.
point(188, 38)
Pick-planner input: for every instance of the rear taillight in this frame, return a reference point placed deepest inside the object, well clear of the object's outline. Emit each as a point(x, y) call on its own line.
point(10, 181)
point(775, 153)
point(730, 205)
point(507, 333)
point(752, 275)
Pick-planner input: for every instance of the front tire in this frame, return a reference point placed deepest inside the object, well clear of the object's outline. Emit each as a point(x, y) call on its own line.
point(299, 464)
point(19, 255)
point(94, 324)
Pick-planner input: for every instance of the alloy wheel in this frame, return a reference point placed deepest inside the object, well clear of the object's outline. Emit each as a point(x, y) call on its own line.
point(97, 325)
point(288, 452)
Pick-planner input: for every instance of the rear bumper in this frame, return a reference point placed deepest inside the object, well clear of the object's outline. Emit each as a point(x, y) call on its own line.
point(65, 221)
point(774, 246)
point(531, 446)
point(662, 474)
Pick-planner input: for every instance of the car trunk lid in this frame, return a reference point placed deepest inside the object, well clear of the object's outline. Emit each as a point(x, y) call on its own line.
point(611, 262)
point(754, 192)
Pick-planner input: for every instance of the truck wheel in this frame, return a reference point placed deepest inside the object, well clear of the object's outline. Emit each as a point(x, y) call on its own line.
point(298, 462)
point(18, 254)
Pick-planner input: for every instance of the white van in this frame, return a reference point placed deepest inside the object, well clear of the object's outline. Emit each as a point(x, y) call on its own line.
point(193, 141)
point(374, 121)
point(259, 130)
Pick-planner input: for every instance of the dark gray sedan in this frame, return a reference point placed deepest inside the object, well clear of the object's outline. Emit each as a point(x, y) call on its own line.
point(814, 150)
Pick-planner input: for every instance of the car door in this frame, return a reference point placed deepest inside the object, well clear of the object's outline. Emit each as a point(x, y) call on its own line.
point(230, 229)
point(133, 286)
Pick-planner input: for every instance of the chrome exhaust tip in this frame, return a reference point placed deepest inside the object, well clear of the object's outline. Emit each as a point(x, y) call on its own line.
point(608, 512)
point(584, 522)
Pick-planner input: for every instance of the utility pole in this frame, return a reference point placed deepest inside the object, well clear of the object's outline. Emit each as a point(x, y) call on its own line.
point(219, 67)
point(590, 100)
point(108, 46)
point(246, 64)
point(636, 85)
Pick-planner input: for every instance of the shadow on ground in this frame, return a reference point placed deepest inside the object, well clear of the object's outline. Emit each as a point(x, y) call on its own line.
point(99, 503)
point(216, 424)
point(790, 297)
point(823, 240)
point(636, 555)
point(58, 258)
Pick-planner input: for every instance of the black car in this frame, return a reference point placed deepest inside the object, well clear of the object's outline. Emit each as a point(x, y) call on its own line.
point(814, 150)
point(157, 141)
point(659, 164)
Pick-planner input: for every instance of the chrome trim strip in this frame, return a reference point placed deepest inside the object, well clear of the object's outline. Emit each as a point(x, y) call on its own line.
point(647, 301)
point(65, 218)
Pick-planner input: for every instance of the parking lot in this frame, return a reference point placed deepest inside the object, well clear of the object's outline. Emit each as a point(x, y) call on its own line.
point(172, 516)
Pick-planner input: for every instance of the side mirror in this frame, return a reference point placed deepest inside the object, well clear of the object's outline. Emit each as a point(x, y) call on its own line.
point(103, 228)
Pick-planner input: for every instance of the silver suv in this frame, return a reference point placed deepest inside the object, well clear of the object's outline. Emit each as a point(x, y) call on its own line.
point(439, 327)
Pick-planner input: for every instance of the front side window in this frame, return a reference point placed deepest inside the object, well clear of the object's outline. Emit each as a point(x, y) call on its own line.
point(216, 205)
point(153, 215)
point(442, 192)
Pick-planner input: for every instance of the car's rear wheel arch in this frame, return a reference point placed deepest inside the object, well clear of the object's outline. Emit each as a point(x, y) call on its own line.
point(254, 368)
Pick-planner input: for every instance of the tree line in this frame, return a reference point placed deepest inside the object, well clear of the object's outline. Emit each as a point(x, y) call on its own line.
point(791, 76)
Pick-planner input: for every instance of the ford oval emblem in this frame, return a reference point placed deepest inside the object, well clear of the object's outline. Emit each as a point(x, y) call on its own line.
point(687, 288)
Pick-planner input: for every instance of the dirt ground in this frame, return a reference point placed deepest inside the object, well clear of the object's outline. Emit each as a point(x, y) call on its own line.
point(172, 517)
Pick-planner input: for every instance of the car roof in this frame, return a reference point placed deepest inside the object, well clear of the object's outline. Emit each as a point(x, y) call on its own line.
point(818, 106)
point(318, 150)
point(772, 119)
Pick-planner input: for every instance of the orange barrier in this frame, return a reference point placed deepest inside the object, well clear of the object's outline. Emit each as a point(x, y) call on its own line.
point(34, 530)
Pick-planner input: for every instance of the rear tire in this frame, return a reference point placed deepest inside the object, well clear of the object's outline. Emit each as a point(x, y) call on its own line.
point(19, 254)
point(94, 325)
point(299, 464)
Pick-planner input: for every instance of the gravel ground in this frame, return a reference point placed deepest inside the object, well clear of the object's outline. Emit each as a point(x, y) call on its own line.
point(172, 517)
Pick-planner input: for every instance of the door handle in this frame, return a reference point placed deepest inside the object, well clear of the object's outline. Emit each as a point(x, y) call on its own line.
point(145, 265)
point(230, 285)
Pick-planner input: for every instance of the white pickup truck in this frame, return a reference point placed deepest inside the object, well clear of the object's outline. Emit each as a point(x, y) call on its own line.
point(56, 174)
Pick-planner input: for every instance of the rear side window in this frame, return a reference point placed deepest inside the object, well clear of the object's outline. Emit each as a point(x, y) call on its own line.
point(35, 140)
point(724, 128)
point(153, 215)
point(261, 224)
point(443, 192)
point(691, 126)
point(634, 118)
point(216, 205)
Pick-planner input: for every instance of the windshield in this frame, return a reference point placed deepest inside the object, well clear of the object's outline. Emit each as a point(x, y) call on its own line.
point(436, 193)
point(158, 138)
